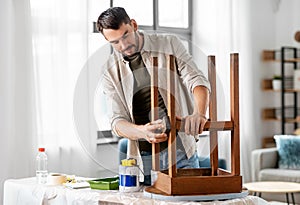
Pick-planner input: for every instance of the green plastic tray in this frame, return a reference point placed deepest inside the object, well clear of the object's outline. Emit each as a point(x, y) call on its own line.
point(110, 183)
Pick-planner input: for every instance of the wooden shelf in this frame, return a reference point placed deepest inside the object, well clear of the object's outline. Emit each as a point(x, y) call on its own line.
point(292, 60)
point(269, 114)
point(273, 114)
point(292, 90)
point(268, 142)
point(269, 55)
point(293, 120)
point(266, 86)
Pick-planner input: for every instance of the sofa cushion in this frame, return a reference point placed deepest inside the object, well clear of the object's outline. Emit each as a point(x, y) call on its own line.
point(288, 150)
point(288, 175)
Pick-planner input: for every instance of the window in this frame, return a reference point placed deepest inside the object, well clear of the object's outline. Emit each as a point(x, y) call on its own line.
point(158, 14)
point(141, 11)
point(173, 13)
point(170, 16)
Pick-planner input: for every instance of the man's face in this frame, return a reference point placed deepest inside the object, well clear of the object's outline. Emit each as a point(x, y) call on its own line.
point(123, 40)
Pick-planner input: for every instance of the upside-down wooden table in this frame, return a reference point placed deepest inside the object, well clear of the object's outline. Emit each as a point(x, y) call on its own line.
point(198, 183)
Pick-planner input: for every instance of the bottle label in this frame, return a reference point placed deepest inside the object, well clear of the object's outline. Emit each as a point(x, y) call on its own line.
point(128, 180)
point(41, 177)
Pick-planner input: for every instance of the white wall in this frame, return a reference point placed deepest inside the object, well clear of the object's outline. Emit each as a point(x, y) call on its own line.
point(287, 23)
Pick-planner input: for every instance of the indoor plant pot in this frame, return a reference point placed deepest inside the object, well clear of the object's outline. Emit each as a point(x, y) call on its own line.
point(276, 82)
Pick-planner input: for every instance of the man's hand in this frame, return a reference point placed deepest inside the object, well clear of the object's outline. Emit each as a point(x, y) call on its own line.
point(194, 124)
point(153, 132)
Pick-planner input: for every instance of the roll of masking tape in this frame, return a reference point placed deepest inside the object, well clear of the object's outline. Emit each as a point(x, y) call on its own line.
point(56, 179)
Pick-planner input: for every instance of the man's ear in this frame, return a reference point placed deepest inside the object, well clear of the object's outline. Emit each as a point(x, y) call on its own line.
point(134, 24)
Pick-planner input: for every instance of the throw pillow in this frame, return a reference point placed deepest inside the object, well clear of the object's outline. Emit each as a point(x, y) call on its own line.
point(288, 150)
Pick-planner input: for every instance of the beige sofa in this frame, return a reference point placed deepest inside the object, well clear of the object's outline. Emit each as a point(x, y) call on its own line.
point(265, 168)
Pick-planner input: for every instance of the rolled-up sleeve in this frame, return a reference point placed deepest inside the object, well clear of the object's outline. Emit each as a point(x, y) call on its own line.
point(188, 70)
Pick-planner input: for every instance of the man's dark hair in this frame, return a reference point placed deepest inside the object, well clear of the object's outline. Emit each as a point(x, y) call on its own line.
point(112, 18)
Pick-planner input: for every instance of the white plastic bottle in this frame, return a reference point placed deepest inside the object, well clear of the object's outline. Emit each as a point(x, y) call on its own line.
point(41, 166)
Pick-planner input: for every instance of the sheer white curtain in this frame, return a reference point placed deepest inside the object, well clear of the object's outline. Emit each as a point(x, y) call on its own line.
point(60, 51)
point(43, 47)
point(221, 28)
point(17, 115)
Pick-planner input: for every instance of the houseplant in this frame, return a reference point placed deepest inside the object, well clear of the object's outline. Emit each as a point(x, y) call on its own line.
point(276, 82)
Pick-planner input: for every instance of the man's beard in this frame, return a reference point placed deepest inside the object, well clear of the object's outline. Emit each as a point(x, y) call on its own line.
point(136, 46)
point(132, 46)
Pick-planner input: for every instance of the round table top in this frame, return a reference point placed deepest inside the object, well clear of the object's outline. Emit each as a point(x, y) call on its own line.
point(273, 187)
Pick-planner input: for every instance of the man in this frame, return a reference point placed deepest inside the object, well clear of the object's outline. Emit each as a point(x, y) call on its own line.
point(126, 83)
